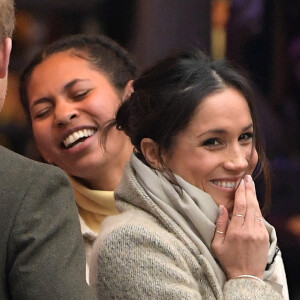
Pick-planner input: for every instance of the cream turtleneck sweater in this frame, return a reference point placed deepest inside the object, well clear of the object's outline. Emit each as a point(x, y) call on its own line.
point(93, 207)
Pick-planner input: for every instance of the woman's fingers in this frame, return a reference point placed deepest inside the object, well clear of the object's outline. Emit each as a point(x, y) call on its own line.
point(221, 228)
point(251, 201)
point(246, 208)
point(253, 215)
point(240, 205)
point(244, 237)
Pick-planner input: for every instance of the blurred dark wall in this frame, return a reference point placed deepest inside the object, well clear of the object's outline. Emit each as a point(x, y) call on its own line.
point(162, 26)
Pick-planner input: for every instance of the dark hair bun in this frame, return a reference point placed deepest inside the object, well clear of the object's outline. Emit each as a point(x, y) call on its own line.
point(122, 116)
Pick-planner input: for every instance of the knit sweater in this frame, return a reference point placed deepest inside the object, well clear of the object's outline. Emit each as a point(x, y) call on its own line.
point(93, 207)
point(143, 254)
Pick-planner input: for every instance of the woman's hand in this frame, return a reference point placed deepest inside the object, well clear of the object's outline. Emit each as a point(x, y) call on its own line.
point(241, 244)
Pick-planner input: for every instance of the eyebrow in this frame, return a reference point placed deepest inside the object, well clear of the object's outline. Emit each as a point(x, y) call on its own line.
point(65, 88)
point(72, 83)
point(222, 131)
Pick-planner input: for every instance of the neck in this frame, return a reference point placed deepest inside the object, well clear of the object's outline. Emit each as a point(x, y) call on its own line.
point(104, 182)
point(107, 178)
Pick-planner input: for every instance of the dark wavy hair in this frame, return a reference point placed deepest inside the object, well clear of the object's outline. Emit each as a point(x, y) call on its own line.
point(103, 54)
point(167, 95)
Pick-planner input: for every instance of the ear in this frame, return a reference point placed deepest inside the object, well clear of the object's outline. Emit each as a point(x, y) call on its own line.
point(128, 90)
point(5, 48)
point(150, 151)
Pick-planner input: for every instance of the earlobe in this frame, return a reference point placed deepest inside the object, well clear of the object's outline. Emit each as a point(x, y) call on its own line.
point(128, 90)
point(150, 151)
point(5, 49)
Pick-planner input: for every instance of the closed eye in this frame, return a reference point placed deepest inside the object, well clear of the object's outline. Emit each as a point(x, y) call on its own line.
point(41, 108)
point(43, 113)
point(81, 95)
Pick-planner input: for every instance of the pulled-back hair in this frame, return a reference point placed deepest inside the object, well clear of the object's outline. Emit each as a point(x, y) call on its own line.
point(101, 52)
point(166, 97)
point(7, 19)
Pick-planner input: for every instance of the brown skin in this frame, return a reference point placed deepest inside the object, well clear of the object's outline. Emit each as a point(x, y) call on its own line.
point(70, 97)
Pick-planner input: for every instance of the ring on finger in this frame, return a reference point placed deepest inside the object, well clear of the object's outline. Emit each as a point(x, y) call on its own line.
point(239, 215)
point(259, 219)
point(218, 231)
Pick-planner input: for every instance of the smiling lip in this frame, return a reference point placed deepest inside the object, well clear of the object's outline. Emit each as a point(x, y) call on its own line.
point(77, 136)
point(227, 184)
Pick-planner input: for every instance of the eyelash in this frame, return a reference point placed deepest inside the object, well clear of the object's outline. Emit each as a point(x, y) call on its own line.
point(81, 94)
point(78, 96)
point(211, 142)
point(248, 135)
point(215, 142)
point(42, 114)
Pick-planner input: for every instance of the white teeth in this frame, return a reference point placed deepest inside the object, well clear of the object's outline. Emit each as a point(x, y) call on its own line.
point(72, 138)
point(224, 184)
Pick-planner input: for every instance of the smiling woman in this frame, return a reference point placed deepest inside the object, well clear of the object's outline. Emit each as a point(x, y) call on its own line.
point(219, 138)
point(197, 145)
point(66, 96)
point(69, 91)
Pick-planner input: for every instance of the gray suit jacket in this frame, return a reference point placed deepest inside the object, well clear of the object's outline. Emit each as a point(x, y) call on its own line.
point(41, 247)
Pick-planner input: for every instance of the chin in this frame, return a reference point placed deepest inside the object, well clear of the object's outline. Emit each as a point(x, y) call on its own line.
point(229, 205)
point(225, 201)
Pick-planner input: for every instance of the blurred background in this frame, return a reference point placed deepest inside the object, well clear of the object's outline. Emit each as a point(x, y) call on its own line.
point(261, 36)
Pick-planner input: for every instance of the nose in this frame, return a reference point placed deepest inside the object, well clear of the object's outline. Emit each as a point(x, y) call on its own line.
point(65, 113)
point(237, 159)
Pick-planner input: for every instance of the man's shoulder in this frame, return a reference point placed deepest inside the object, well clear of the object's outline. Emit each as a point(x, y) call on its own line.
point(13, 162)
point(17, 168)
point(23, 180)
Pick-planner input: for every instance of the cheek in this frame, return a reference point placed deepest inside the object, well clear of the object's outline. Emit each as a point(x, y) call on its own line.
point(101, 113)
point(102, 106)
point(40, 136)
point(45, 145)
point(195, 173)
point(115, 141)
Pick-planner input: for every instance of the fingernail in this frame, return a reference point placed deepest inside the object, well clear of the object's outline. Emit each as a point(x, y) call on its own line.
point(221, 210)
point(242, 182)
point(248, 178)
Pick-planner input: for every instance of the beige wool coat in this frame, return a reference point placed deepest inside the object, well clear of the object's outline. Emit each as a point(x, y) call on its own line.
point(143, 254)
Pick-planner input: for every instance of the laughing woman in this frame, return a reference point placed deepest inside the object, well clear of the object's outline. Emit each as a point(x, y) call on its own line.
point(69, 91)
point(190, 226)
